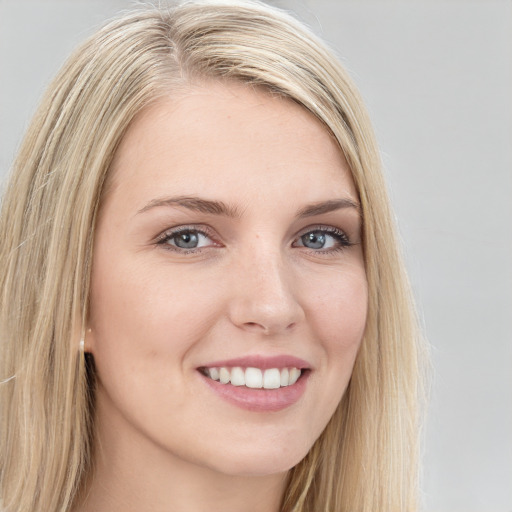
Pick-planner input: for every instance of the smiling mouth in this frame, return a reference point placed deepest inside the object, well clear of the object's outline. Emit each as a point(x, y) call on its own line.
point(254, 378)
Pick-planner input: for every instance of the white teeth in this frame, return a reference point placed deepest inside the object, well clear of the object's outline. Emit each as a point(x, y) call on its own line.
point(224, 375)
point(285, 377)
point(213, 373)
point(237, 377)
point(255, 378)
point(293, 376)
point(272, 379)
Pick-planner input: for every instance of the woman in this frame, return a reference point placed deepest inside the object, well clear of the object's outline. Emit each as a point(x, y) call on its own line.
point(203, 306)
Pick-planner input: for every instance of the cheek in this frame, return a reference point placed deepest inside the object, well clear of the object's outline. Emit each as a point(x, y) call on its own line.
point(144, 322)
point(339, 320)
point(340, 310)
point(140, 303)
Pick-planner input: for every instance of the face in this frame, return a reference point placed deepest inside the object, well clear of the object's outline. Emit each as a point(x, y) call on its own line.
point(229, 293)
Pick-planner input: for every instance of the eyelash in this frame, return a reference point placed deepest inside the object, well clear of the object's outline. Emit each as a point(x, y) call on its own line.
point(168, 235)
point(342, 241)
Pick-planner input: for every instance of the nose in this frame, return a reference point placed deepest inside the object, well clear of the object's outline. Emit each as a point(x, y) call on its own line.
point(264, 296)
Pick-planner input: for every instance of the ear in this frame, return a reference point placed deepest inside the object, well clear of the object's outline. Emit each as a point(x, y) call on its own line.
point(88, 341)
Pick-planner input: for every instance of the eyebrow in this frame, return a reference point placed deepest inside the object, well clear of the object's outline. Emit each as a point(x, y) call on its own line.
point(221, 208)
point(195, 204)
point(328, 206)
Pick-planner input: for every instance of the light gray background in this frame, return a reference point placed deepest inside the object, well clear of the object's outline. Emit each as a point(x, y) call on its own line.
point(437, 78)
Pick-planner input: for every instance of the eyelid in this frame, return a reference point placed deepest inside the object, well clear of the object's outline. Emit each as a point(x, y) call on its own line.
point(168, 233)
point(341, 235)
point(322, 227)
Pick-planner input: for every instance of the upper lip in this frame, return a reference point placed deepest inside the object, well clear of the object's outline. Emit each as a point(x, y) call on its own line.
point(262, 362)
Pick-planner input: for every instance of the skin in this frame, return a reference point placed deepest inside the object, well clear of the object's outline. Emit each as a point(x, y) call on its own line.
point(165, 440)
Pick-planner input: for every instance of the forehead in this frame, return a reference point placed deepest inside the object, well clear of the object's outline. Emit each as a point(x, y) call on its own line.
point(217, 134)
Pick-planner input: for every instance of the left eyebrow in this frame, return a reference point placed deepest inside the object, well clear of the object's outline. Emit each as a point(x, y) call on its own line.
point(328, 206)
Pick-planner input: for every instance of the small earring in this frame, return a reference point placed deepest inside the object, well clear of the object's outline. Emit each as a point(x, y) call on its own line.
point(81, 345)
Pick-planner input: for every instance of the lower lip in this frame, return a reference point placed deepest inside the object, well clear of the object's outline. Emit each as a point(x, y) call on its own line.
point(260, 400)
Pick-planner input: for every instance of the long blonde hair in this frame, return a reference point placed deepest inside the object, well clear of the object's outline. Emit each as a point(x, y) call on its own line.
point(367, 457)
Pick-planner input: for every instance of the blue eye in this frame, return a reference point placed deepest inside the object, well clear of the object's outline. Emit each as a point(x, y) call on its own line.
point(323, 239)
point(186, 239)
point(314, 240)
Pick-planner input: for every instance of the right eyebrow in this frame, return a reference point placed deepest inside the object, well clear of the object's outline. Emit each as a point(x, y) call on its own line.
point(195, 204)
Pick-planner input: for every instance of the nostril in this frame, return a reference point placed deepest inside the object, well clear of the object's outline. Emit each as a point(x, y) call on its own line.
point(266, 329)
point(255, 326)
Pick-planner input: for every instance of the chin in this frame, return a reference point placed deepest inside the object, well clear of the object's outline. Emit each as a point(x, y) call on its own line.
point(261, 462)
